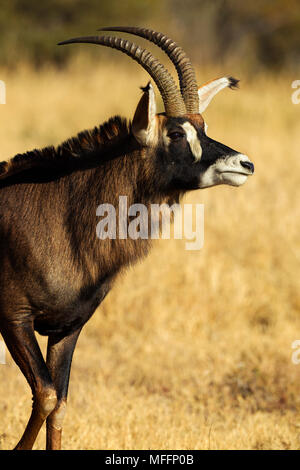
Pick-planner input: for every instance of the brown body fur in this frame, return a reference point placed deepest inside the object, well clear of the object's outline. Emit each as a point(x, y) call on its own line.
point(48, 222)
point(54, 270)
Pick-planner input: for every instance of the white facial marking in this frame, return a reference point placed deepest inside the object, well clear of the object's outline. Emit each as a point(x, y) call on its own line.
point(205, 127)
point(166, 138)
point(226, 170)
point(192, 138)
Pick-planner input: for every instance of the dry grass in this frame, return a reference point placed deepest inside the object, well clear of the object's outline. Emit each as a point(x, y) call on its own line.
point(191, 350)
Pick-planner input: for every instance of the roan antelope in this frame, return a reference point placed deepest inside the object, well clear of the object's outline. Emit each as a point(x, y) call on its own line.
point(55, 272)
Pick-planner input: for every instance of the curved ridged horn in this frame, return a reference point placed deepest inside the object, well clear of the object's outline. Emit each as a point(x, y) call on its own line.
point(185, 70)
point(174, 104)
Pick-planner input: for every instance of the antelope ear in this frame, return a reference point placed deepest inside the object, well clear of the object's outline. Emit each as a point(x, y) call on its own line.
point(144, 124)
point(210, 89)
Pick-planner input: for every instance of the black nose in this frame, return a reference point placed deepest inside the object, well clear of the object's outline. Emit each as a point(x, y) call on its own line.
point(248, 165)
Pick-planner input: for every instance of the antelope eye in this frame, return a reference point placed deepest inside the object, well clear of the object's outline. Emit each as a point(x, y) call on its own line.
point(176, 135)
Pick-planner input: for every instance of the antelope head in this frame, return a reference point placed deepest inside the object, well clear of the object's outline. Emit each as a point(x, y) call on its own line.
point(187, 157)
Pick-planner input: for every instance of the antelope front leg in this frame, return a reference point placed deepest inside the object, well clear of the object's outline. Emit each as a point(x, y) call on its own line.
point(23, 346)
point(59, 358)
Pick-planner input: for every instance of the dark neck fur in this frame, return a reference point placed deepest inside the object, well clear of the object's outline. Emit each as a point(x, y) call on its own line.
point(88, 149)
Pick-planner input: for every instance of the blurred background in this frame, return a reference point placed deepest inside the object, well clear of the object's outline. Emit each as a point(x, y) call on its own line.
point(259, 35)
point(191, 350)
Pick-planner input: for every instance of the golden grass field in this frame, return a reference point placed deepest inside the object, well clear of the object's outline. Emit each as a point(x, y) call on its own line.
point(191, 349)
